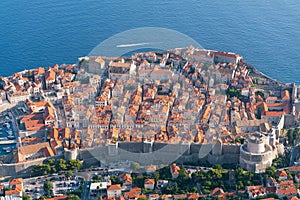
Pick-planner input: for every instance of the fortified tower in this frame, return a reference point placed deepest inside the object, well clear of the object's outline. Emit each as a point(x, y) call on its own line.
point(257, 153)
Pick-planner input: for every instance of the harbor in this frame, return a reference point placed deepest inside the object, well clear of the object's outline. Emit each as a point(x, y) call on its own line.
point(7, 137)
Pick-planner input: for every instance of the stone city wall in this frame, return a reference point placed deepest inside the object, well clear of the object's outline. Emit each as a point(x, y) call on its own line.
point(160, 153)
point(21, 169)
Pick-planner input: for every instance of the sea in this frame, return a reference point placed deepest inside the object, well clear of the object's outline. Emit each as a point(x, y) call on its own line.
point(42, 33)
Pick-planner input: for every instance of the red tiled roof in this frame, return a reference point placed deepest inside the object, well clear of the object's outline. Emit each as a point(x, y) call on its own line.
point(282, 173)
point(274, 113)
point(217, 192)
point(287, 191)
point(286, 183)
point(50, 76)
point(294, 168)
point(193, 196)
point(16, 181)
point(149, 181)
point(114, 187)
point(126, 178)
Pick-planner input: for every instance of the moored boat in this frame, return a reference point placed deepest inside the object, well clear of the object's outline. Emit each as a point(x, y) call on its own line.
point(7, 149)
point(11, 137)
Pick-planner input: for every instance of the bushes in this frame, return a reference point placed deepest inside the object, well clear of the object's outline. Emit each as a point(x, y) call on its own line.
point(219, 177)
point(282, 160)
point(234, 93)
point(52, 166)
point(293, 136)
point(48, 187)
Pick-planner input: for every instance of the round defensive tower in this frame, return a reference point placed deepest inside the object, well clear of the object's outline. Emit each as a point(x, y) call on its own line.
point(256, 154)
point(256, 143)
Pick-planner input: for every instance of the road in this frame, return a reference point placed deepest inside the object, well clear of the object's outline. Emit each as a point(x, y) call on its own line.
point(86, 192)
point(294, 153)
point(199, 188)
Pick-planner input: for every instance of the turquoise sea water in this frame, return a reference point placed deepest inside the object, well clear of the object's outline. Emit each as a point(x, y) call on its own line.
point(35, 33)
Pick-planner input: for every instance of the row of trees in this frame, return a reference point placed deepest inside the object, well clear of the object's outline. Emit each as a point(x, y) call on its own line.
point(282, 161)
point(293, 136)
point(56, 165)
point(181, 185)
point(226, 179)
point(245, 178)
point(208, 180)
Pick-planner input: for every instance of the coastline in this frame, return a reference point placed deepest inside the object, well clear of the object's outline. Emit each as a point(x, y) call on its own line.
point(236, 68)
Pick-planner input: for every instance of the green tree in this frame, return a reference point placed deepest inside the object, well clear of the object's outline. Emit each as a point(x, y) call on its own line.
point(115, 180)
point(194, 190)
point(239, 173)
point(61, 165)
point(240, 185)
point(41, 169)
point(96, 178)
point(296, 135)
point(214, 174)
point(233, 92)
point(48, 187)
point(53, 169)
point(271, 171)
point(135, 166)
point(290, 136)
point(26, 197)
point(69, 174)
point(156, 175)
point(75, 164)
point(50, 161)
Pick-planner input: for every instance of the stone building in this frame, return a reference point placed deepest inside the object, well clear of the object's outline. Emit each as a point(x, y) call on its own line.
point(258, 152)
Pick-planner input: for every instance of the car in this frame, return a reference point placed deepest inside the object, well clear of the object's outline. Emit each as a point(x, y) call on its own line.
point(59, 185)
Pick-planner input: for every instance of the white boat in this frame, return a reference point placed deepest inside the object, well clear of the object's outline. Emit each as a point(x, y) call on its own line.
point(7, 149)
point(4, 139)
point(9, 132)
point(11, 137)
point(7, 125)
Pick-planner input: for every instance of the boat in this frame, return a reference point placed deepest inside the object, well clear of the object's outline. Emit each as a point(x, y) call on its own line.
point(7, 149)
point(9, 132)
point(4, 139)
point(11, 137)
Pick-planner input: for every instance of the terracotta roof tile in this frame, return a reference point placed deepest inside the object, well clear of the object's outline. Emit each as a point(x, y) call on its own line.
point(114, 187)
